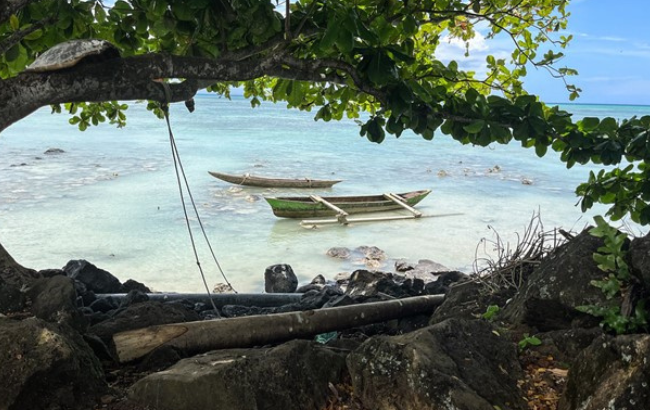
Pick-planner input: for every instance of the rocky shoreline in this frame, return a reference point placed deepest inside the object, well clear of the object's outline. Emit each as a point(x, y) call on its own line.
point(487, 346)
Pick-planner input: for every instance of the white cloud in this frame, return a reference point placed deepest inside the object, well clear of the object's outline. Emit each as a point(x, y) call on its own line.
point(478, 47)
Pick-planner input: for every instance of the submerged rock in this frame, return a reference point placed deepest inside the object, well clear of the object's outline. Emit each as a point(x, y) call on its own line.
point(54, 151)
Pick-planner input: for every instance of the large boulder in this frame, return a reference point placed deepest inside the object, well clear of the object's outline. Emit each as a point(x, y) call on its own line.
point(13, 273)
point(292, 376)
point(469, 300)
point(46, 366)
point(280, 279)
point(562, 282)
point(612, 373)
point(11, 298)
point(95, 279)
point(54, 300)
point(456, 364)
point(638, 258)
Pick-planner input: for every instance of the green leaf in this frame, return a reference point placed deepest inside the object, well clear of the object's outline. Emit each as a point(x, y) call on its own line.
point(14, 23)
point(475, 127)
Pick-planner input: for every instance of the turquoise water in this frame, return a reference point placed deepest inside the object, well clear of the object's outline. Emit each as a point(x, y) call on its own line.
point(112, 197)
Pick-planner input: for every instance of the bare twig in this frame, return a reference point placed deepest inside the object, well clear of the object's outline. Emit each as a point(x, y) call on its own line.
point(502, 267)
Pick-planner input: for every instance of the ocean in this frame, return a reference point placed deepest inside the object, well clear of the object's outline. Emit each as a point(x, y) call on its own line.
point(112, 198)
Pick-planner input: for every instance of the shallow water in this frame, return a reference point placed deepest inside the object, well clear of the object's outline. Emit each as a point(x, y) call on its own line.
point(112, 196)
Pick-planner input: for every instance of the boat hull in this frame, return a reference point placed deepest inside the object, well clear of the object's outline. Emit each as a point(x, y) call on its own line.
point(305, 207)
point(251, 180)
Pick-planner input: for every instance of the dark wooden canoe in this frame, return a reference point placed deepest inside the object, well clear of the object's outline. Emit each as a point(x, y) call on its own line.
point(309, 207)
point(252, 180)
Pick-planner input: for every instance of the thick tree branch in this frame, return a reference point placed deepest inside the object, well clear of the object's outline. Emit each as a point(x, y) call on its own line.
point(133, 79)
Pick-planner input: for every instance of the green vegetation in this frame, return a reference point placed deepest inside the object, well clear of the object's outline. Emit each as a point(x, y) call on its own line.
point(337, 58)
point(491, 312)
point(611, 260)
point(529, 341)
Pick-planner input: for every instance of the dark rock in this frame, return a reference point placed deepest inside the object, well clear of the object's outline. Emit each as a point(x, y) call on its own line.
point(209, 314)
point(317, 299)
point(133, 297)
point(443, 282)
point(104, 304)
point(638, 259)
point(237, 310)
point(309, 288)
point(95, 279)
point(365, 283)
point(11, 298)
point(54, 151)
point(100, 349)
point(54, 300)
point(88, 298)
point(160, 359)
point(48, 273)
point(319, 280)
point(131, 284)
point(13, 273)
point(469, 300)
point(455, 364)
point(293, 376)
point(46, 366)
point(375, 284)
point(612, 373)
point(343, 300)
point(96, 317)
point(548, 299)
point(566, 345)
point(143, 315)
point(280, 279)
point(318, 283)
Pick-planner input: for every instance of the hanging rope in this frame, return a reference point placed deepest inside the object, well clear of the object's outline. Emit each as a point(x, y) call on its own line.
point(180, 172)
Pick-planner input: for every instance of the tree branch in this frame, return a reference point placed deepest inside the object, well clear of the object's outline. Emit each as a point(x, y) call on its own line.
point(133, 79)
point(9, 7)
point(17, 36)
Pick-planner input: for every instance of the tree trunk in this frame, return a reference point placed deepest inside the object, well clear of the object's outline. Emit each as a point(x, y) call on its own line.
point(12, 272)
point(197, 337)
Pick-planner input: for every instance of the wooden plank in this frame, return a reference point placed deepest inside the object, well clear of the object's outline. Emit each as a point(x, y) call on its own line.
point(314, 222)
point(247, 331)
point(341, 216)
point(399, 201)
point(311, 223)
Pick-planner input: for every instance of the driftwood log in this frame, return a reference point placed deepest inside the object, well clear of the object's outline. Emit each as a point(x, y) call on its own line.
point(248, 331)
point(221, 299)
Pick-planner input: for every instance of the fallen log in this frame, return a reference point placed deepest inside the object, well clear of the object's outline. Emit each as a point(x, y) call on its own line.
point(248, 331)
point(222, 299)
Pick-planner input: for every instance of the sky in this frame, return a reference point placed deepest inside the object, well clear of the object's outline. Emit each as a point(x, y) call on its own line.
point(610, 49)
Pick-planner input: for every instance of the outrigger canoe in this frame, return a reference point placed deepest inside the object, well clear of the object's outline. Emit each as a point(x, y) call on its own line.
point(252, 180)
point(340, 206)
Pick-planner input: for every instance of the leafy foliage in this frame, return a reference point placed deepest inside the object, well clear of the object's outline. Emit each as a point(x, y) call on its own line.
point(611, 260)
point(342, 58)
